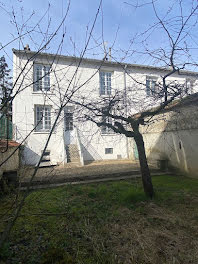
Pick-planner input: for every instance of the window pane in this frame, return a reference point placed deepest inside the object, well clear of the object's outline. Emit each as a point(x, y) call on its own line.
point(46, 78)
point(39, 118)
point(47, 118)
point(38, 78)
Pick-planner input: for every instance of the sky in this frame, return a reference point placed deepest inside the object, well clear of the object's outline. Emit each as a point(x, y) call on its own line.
point(120, 24)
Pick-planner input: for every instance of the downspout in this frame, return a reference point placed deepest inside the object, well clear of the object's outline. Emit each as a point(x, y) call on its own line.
point(64, 144)
point(126, 108)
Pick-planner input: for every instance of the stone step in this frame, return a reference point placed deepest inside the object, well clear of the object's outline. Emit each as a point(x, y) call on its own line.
point(72, 153)
point(46, 163)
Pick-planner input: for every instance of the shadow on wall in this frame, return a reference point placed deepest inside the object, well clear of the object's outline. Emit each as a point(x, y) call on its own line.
point(86, 154)
point(29, 157)
point(173, 138)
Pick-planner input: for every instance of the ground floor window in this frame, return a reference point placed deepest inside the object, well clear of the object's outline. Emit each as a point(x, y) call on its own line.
point(108, 150)
point(42, 118)
point(69, 124)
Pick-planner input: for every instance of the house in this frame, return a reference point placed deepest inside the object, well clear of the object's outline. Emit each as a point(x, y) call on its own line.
point(44, 82)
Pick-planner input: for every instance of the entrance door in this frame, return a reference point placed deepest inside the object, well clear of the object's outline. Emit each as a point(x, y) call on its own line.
point(69, 125)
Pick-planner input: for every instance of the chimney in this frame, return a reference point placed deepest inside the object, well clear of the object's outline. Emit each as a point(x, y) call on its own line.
point(27, 47)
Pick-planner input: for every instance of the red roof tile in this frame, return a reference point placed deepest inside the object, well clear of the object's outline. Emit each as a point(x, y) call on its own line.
point(11, 143)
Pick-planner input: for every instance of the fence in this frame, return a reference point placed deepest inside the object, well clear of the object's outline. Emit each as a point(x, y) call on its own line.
point(5, 127)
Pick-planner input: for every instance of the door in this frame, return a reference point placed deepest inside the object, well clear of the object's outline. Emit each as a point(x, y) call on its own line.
point(69, 124)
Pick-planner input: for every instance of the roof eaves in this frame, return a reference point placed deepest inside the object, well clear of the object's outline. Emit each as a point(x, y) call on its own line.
point(105, 63)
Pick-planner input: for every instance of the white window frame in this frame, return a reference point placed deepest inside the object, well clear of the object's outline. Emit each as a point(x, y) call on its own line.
point(105, 83)
point(42, 118)
point(41, 77)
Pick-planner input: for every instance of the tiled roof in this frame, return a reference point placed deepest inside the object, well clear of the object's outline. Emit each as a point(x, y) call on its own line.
point(11, 143)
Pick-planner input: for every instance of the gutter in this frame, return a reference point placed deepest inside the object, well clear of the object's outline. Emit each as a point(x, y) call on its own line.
point(104, 63)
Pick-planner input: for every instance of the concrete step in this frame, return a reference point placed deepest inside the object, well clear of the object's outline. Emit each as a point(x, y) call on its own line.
point(46, 163)
point(72, 153)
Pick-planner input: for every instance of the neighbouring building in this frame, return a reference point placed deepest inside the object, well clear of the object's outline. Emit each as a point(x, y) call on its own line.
point(172, 137)
point(45, 80)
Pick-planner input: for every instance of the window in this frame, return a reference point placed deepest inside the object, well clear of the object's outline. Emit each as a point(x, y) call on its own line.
point(69, 118)
point(189, 86)
point(108, 150)
point(105, 83)
point(41, 78)
point(42, 118)
point(151, 86)
point(106, 129)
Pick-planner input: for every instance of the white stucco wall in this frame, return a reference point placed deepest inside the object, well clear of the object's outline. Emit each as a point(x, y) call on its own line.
point(85, 82)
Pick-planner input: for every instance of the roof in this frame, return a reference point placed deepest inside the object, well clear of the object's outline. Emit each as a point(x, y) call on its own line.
point(34, 54)
point(11, 143)
point(185, 101)
point(190, 100)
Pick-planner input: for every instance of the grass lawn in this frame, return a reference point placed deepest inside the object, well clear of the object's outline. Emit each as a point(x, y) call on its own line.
point(106, 223)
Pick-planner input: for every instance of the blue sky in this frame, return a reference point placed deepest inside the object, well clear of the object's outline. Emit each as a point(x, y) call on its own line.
point(121, 23)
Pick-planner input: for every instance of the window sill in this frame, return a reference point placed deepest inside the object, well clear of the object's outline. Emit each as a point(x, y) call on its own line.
point(43, 93)
point(43, 132)
point(105, 95)
point(108, 134)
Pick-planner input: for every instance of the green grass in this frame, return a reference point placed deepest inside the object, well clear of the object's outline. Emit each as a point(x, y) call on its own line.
point(106, 223)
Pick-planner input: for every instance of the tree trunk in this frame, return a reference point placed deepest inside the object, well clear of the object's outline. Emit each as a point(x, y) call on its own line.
point(146, 177)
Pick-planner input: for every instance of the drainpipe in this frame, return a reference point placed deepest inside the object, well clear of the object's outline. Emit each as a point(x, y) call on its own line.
point(126, 108)
point(64, 144)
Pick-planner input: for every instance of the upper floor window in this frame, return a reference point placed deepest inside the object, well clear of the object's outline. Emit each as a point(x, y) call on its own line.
point(105, 83)
point(151, 86)
point(42, 118)
point(41, 77)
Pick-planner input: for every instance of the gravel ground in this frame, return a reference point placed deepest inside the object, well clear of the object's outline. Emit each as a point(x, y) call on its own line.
point(75, 172)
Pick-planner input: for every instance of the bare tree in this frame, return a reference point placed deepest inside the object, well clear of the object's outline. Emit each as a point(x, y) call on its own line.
point(118, 110)
point(21, 83)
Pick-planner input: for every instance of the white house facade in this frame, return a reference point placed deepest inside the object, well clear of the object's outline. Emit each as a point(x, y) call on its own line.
point(44, 83)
